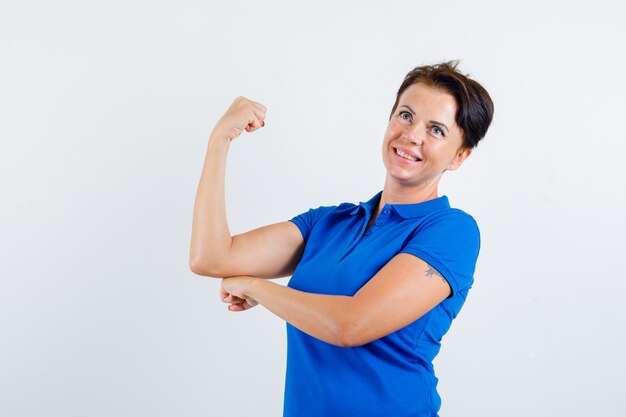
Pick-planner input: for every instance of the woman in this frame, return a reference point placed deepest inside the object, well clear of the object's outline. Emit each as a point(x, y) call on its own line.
point(374, 286)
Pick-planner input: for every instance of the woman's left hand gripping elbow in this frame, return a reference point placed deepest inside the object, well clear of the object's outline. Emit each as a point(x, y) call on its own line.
point(233, 291)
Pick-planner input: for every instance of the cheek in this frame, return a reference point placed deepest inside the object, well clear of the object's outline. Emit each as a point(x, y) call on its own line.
point(386, 138)
point(443, 154)
point(391, 133)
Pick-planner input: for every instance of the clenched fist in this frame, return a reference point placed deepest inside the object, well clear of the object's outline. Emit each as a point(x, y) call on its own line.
point(243, 114)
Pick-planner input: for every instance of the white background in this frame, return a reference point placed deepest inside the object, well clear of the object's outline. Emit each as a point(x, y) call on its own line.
point(105, 111)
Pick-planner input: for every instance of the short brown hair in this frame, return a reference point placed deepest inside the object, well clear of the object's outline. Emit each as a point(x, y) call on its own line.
point(474, 105)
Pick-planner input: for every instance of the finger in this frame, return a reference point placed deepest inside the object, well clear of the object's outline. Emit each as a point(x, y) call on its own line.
point(240, 307)
point(251, 302)
point(250, 129)
point(223, 292)
point(260, 114)
point(254, 125)
point(232, 299)
point(260, 106)
point(235, 300)
point(225, 295)
point(257, 121)
point(236, 307)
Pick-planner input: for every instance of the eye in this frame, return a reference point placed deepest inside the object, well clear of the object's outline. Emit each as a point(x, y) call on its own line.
point(437, 131)
point(405, 113)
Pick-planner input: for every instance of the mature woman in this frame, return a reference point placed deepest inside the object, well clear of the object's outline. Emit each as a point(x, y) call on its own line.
point(374, 286)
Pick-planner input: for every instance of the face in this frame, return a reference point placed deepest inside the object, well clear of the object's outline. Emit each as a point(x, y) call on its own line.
point(423, 127)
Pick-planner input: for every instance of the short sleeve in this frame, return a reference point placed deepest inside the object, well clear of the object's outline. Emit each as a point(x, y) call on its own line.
point(450, 243)
point(306, 221)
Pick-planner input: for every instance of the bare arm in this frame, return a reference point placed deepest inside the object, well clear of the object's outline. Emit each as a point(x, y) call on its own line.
point(210, 235)
point(401, 292)
point(271, 251)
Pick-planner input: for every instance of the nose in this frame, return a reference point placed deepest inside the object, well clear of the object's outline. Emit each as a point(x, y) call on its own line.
point(415, 134)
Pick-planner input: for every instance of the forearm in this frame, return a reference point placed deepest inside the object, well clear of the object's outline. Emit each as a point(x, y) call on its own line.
point(210, 236)
point(326, 317)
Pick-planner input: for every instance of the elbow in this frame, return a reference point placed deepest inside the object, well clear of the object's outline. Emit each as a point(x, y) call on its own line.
point(348, 327)
point(348, 341)
point(201, 268)
point(349, 334)
point(196, 267)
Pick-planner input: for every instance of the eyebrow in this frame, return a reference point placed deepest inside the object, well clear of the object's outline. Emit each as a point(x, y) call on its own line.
point(440, 124)
point(431, 121)
point(409, 108)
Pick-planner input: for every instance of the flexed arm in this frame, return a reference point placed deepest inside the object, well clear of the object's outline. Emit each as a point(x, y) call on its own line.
point(270, 251)
point(210, 236)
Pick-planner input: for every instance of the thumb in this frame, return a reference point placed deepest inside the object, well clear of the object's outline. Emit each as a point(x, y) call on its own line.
point(255, 124)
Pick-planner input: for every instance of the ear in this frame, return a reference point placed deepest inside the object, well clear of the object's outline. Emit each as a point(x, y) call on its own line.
point(460, 157)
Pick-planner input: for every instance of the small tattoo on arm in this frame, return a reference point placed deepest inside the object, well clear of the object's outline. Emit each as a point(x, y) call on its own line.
point(430, 271)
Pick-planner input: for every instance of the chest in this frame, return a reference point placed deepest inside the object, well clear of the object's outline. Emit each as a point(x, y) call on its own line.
point(341, 255)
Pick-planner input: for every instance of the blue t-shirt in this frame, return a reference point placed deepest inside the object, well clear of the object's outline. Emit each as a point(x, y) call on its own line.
point(393, 375)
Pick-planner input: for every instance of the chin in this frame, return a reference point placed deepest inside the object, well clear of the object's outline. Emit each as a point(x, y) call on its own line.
point(399, 175)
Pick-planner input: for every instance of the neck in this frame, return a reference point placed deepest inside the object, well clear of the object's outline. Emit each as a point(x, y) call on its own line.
point(395, 193)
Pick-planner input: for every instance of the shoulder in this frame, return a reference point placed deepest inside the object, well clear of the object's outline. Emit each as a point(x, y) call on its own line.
point(321, 216)
point(323, 210)
point(450, 232)
point(449, 241)
point(450, 218)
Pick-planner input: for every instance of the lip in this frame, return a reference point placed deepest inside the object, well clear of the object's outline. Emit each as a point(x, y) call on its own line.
point(406, 151)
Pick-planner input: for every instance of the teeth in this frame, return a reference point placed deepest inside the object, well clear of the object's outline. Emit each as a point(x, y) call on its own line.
point(405, 156)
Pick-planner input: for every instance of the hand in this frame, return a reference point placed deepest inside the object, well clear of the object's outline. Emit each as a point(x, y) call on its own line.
point(243, 114)
point(233, 292)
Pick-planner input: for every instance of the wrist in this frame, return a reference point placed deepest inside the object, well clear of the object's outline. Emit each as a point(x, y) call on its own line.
point(218, 145)
point(253, 286)
point(218, 136)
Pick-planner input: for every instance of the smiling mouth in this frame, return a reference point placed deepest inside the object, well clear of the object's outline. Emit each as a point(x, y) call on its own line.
point(406, 156)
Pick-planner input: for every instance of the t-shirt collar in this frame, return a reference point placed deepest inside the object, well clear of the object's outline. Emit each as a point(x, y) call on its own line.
point(406, 210)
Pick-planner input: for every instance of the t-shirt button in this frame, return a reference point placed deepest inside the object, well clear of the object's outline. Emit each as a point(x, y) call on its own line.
point(386, 211)
point(378, 223)
point(367, 233)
